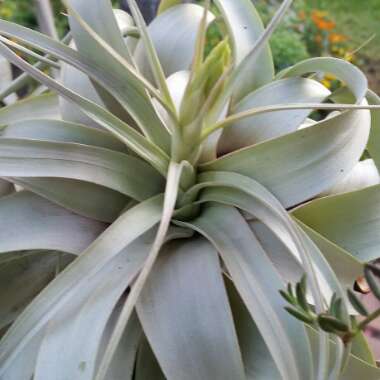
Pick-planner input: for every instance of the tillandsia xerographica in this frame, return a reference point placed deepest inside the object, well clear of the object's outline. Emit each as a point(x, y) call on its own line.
point(154, 200)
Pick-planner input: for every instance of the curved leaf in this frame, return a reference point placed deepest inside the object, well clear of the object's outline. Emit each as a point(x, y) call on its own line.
point(350, 220)
point(63, 131)
point(302, 164)
point(81, 323)
point(124, 173)
point(245, 28)
point(258, 362)
point(259, 128)
point(30, 222)
point(185, 343)
point(34, 107)
point(173, 34)
point(75, 277)
point(258, 283)
point(374, 138)
point(83, 198)
point(22, 278)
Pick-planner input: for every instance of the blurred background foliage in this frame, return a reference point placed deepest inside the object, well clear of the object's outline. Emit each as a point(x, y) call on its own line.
point(341, 28)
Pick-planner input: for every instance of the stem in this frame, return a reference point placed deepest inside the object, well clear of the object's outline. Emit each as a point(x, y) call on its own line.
point(285, 107)
point(45, 18)
point(368, 320)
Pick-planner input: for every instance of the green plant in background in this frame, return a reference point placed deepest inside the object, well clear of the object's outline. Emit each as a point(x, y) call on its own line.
point(157, 198)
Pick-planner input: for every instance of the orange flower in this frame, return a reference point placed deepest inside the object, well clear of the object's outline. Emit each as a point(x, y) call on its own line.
point(336, 38)
point(321, 21)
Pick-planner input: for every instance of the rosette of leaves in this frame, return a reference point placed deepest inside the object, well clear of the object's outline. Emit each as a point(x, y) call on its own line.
point(146, 227)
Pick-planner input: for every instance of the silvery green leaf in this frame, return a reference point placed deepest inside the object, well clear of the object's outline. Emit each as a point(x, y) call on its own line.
point(36, 107)
point(123, 131)
point(83, 198)
point(100, 166)
point(346, 267)
point(132, 224)
point(353, 78)
point(43, 225)
point(172, 190)
point(258, 362)
point(245, 28)
point(63, 131)
point(334, 218)
point(364, 174)
point(182, 343)
point(125, 83)
point(256, 129)
point(304, 163)
point(6, 77)
point(22, 278)
point(374, 137)
point(175, 50)
point(257, 283)
point(73, 336)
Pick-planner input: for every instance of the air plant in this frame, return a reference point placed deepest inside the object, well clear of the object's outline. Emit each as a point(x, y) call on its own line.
point(149, 218)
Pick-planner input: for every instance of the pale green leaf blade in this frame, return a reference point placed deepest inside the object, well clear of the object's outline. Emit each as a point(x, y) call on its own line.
point(245, 28)
point(62, 131)
point(350, 220)
point(120, 234)
point(118, 171)
point(170, 200)
point(81, 323)
point(125, 84)
point(34, 107)
point(258, 283)
point(256, 129)
point(349, 74)
point(173, 34)
point(182, 343)
point(258, 362)
point(304, 163)
point(5, 79)
point(43, 225)
point(132, 138)
point(83, 198)
point(374, 137)
point(22, 278)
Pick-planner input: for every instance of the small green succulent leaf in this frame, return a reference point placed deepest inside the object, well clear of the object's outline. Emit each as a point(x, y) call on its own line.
point(372, 282)
point(51, 226)
point(301, 315)
point(167, 289)
point(331, 324)
point(356, 303)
